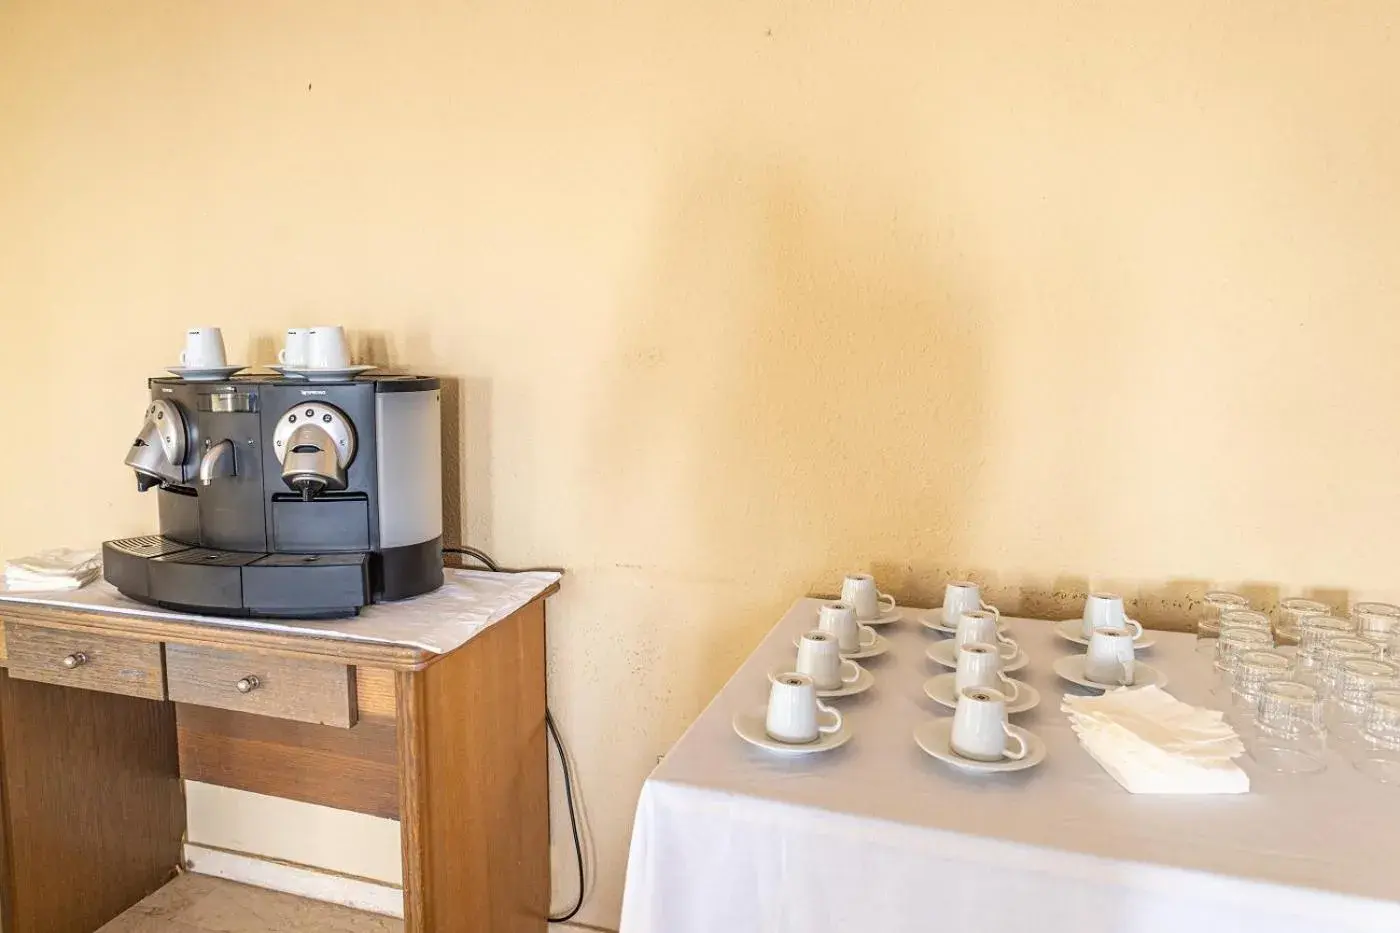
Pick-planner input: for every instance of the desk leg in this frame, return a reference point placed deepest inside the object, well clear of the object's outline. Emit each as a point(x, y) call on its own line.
point(474, 784)
point(93, 809)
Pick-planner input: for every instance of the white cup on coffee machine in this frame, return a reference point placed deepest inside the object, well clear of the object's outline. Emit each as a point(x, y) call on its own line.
point(859, 591)
point(979, 727)
point(795, 715)
point(980, 625)
point(979, 665)
point(296, 350)
point(819, 657)
point(1105, 610)
point(1109, 659)
point(327, 347)
point(840, 620)
point(204, 349)
point(962, 596)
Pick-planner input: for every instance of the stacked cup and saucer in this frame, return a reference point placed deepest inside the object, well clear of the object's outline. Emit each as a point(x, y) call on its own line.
point(856, 640)
point(794, 722)
point(203, 358)
point(1111, 641)
point(318, 354)
point(973, 625)
point(978, 738)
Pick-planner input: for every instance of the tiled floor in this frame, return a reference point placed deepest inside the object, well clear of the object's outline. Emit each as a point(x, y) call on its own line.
point(199, 904)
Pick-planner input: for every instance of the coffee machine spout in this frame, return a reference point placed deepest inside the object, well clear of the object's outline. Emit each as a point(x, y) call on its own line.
point(217, 462)
point(158, 453)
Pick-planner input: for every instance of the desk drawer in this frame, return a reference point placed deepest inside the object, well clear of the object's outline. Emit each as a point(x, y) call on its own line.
point(265, 685)
point(93, 662)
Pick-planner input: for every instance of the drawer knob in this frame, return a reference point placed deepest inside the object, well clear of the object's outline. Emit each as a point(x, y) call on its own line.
point(247, 684)
point(76, 659)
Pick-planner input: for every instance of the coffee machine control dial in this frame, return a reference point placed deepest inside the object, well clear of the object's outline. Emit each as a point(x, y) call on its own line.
point(315, 444)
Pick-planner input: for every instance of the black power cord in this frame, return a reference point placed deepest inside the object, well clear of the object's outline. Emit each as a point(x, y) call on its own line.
point(485, 560)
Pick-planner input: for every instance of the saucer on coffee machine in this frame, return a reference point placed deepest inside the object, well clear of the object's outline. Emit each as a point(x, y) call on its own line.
point(334, 374)
point(204, 373)
point(936, 738)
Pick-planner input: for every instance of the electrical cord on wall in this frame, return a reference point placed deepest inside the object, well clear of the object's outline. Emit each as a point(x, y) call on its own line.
point(485, 560)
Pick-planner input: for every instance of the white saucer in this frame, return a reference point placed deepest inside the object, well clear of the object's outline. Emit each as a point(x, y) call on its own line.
point(1071, 668)
point(1073, 630)
point(339, 374)
point(933, 619)
point(752, 728)
point(886, 616)
point(879, 646)
point(862, 683)
point(936, 738)
point(204, 373)
point(944, 653)
point(940, 689)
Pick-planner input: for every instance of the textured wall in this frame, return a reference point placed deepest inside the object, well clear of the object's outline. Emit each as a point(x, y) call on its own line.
point(737, 296)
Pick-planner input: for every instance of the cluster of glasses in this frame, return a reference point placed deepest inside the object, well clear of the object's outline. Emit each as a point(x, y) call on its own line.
point(1340, 686)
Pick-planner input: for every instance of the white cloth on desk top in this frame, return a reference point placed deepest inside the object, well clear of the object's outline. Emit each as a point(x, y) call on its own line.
point(877, 837)
point(1152, 743)
point(56, 569)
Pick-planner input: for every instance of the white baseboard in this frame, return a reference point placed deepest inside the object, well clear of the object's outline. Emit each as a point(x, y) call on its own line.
point(296, 879)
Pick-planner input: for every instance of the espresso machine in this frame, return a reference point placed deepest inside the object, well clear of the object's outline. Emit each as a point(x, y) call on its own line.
point(284, 498)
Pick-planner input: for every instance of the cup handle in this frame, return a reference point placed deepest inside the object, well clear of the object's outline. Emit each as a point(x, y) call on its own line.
point(867, 630)
point(854, 668)
point(881, 597)
point(1020, 751)
point(1125, 673)
point(282, 356)
point(993, 610)
point(182, 358)
point(836, 714)
point(1013, 687)
point(1135, 625)
point(1004, 643)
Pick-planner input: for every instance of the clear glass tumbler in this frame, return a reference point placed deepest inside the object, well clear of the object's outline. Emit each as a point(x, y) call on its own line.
point(1208, 623)
point(1377, 622)
point(1356, 681)
point(1314, 632)
point(1337, 650)
point(1289, 732)
point(1379, 754)
point(1245, 618)
point(1252, 670)
point(1291, 611)
point(1228, 647)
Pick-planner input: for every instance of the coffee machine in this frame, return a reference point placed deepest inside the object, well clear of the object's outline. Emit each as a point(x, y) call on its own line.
point(284, 498)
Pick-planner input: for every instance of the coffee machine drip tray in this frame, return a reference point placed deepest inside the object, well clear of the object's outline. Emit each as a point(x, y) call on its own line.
point(178, 576)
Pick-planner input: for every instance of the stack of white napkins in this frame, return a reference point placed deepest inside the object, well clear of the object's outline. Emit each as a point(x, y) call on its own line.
point(58, 569)
point(1152, 743)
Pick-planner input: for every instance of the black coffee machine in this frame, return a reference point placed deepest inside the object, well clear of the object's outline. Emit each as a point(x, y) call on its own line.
point(284, 498)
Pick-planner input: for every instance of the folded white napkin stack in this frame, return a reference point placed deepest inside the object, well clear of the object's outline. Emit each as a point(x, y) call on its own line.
point(1152, 743)
point(58, 569)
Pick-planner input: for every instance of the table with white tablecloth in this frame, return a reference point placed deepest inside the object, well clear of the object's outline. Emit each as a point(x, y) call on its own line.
point(878, 836)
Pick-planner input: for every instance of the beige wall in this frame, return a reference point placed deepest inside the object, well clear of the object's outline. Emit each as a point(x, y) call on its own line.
point(742, 295)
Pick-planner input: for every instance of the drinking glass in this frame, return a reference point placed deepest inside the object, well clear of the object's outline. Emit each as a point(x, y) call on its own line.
point(1245, 618)
point(1253, 669)
point(1356, 682)
point(1229, 646)
point(1314, 632)
point(1291, 612)
point(1208, 624)
point(1289, 731)
point(1377, 622)
point(1337, 650)
point(1379, 753)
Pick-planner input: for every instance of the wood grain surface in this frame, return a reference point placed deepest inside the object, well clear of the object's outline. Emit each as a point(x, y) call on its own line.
point(286, 688)
point(349, 769)
point(113, 665)
point(374, 691)
point(474, 785)
point(94, 812)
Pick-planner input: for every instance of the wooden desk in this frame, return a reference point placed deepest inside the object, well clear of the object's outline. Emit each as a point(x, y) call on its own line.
point(101, 715)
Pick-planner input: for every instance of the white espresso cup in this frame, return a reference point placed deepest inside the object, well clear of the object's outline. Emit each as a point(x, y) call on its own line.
point(1109, 659)
point(979, 625)
point(858, 590)
point(962, 596)
point(979, 727)
point(327, 348)
point(1105, 610)
point(840, 620)
point(979, 665)
point(819, 657)
point(297, 349)
point(204, 349)
point(793, 710)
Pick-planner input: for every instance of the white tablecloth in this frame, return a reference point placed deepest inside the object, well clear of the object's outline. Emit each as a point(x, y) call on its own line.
point(877, 836)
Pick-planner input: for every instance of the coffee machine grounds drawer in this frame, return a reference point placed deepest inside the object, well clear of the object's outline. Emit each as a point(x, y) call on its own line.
point(306, 584)
point(326, 523)
point(200, 577)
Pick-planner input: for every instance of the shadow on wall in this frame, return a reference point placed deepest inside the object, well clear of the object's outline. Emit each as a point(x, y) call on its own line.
point(789, 414)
